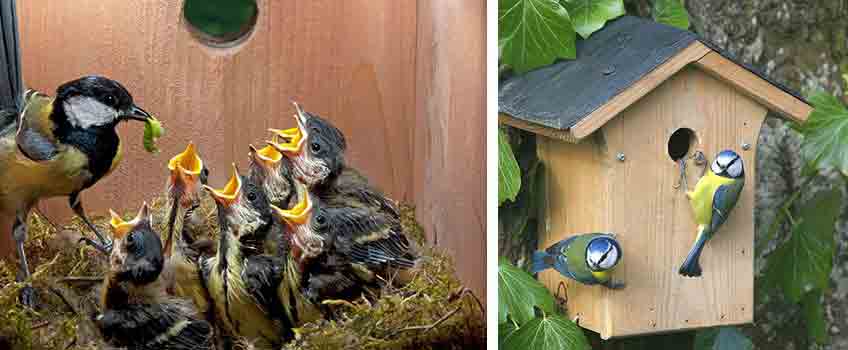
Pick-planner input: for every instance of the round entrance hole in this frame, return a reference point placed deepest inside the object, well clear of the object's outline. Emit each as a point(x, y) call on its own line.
point(220, 23)
point(680, 142)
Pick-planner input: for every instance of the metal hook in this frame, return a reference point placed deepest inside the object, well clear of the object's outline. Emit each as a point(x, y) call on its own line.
point(681, 163)
point(562, 300)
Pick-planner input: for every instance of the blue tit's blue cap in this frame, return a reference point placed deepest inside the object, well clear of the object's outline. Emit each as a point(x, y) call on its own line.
point(605, 248)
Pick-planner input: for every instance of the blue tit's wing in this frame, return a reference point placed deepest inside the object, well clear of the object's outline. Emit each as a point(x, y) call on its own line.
point(558, 248)
point(557, 251)
point(561, 265)
point(724, 201)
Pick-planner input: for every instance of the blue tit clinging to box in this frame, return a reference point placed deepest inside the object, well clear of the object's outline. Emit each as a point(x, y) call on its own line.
point(714, 197)
point(586, 258)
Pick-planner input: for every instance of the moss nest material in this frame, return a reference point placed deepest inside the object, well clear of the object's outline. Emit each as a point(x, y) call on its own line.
point(433, 311)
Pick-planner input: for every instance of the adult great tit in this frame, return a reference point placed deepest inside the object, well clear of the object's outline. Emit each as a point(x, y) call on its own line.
point(59, 147)
point(137, 313)
point(586, 258)
point(714, 197)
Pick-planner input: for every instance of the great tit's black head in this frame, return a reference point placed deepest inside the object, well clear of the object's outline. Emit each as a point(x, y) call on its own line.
point(603, 253)
point(96, 101)
point(316, 147)
point(137, 255)
point(728, 164)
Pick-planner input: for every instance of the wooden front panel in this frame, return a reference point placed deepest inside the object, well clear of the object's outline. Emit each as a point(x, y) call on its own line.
point(577, 201)
point(655, 222)
point(403, 80)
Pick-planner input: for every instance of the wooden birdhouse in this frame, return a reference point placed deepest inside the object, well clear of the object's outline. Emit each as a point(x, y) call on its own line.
point(615, 123)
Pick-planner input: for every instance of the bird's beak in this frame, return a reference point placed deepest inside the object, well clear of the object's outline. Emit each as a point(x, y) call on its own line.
point(266, 157)
point(185, 169)
point(227, 195)
point(296, 137)
point(298, 214)
point(121, 228)
point(136, 113)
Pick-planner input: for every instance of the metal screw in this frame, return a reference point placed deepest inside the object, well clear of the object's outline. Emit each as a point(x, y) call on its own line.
point(746, 146)
point(620, 156)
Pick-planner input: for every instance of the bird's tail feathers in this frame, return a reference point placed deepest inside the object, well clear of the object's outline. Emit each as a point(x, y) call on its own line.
point(691, 267)
point(540, 262)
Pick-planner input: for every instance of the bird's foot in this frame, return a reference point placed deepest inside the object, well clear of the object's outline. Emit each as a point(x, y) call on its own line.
point(616, 285)
point(103, 247)
point(28, 297)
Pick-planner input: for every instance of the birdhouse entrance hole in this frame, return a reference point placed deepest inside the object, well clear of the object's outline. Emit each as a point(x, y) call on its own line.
point(679, 143)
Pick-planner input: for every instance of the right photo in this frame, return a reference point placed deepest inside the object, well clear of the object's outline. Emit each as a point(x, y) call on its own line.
point(672, 174)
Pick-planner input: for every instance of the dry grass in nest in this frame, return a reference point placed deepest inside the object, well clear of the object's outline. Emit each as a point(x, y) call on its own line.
point(433, 311)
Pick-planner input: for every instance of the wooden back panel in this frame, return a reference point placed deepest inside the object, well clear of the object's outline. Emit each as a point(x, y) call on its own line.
point(403, 80)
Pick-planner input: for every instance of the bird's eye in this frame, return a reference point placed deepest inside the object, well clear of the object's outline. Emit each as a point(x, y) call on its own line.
point(110, 99)
point(315, 147)
point(251, 196)
point(320, 219)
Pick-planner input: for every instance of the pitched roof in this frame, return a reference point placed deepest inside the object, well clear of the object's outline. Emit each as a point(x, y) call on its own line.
point(572, 98)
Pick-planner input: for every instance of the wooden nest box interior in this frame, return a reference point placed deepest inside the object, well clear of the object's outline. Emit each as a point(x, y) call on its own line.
point(639, 97)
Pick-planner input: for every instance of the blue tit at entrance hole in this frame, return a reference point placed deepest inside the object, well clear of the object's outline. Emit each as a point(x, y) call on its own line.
point(587, 258)
point(713, 198)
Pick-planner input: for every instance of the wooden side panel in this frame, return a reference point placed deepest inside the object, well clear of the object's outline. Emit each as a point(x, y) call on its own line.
point(450, 132)
point(654, 221)
point(577, 202)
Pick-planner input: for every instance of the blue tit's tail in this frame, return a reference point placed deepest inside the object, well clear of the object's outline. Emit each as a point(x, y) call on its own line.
point(541, 261)
point(691, 267)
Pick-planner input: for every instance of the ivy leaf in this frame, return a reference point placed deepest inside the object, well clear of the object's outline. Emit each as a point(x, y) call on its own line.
point(505, 330)
point(509, 176)
point(534, 33)
point(825, 133)
point(722, 338)
point(550, 332)
point(519, 293)
point(671, 12)
point(803, 263)
point(814, 314)
point(589, 16)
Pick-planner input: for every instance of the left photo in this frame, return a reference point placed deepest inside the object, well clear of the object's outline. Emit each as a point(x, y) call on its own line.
point(242, 174)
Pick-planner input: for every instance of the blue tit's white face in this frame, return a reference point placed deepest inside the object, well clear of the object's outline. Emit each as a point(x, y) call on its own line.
point(728, 164)
point(602, 254)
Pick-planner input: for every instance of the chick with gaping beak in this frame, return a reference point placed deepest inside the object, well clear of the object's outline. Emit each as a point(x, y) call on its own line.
point(137, 313)
point(341, 249)
point(316, 149)
point(242, 280)
point(272, 172)
point(182, 269)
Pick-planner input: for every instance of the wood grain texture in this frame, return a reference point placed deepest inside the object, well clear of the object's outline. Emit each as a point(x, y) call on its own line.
point(755, 87)
point(538, 129)
point(613, 107)
point(357, 62)
point(654, 222)
point(450, 132)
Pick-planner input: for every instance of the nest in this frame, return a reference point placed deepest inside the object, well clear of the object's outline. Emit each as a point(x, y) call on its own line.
point(433, 311)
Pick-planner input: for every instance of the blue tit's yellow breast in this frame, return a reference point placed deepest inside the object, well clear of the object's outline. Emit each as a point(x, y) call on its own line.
point(701, 197)
point(601, 276)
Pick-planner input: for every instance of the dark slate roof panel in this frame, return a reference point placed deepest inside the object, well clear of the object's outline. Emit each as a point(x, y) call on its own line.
point(610, 61)
point(560, 95)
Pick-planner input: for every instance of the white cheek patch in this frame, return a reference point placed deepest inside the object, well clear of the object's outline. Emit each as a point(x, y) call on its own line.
point(610, 260)
point(735, 169)
point(716, 168)
point(84, 112)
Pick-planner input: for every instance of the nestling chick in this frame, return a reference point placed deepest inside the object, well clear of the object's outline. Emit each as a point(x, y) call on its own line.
point(137, 313)
point(244, 282)
point(587, 258)
point(272, 172)
point(342, 249)
point(714, 197)
point(182, 267)
point(59, 147)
